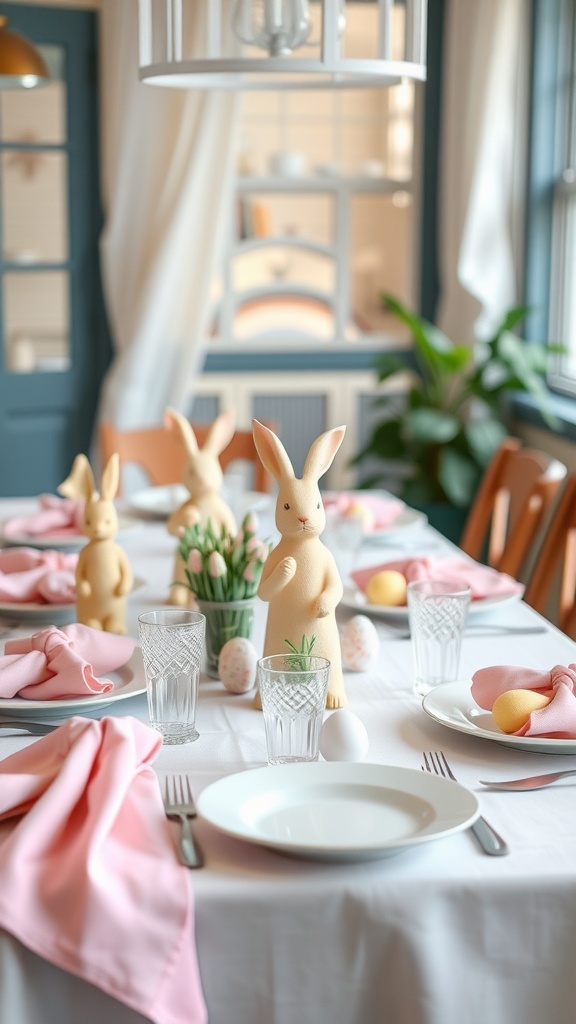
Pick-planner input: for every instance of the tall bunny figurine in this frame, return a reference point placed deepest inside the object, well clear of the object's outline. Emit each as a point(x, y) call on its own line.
point(300, 579)
point(203, 478)
point(103, 573)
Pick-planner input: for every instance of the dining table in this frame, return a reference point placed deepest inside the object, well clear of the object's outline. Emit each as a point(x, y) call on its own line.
point(432, 932)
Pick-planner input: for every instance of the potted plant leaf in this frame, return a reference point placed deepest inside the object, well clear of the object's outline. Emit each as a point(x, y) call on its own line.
point(435, 441)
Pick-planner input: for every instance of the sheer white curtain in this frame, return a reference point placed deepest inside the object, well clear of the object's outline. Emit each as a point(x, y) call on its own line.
point(483, 164)
point(168, 159)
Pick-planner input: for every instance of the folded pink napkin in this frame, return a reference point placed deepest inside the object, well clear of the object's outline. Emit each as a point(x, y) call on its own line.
point(483, 581)
point(557, 719)
point(59, 663)
point(383, 511)
point(57, 517)
point(43, 577)
point(89, 876)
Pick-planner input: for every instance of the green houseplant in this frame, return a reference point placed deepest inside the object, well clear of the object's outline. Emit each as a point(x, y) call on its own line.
point(442, 436)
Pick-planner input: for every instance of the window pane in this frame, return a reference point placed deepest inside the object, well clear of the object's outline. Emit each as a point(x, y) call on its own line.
point(37, 115)
point(36, 325)
point(378, 268)
point(35, 223)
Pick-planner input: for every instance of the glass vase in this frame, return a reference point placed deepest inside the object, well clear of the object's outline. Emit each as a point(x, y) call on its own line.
point(224, 620)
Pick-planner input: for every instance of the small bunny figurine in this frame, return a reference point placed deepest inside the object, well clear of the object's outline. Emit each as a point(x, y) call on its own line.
point(103, 573)
point(203, 479)
point(300, 579)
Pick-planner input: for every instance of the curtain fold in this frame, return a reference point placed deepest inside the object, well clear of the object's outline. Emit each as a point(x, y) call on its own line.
point(483, 164)
point(168, 165)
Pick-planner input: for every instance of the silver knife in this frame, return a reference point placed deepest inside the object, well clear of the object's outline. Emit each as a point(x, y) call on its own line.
point(29, 727)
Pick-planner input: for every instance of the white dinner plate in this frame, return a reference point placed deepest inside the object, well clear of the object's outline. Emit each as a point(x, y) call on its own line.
point(357, 600)
point(129, 680)
point(48, 614)
point(160, 502)
point(326, 810)
point(452, 704)
point(59, 541)
point(42, 613)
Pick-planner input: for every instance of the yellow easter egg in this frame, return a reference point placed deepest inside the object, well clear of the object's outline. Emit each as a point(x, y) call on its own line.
point(512, 709)
point(386, 587)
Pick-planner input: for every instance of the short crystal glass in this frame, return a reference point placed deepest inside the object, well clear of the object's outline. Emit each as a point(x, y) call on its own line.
point(172, 643)
point(437, 612)
point(293, 690)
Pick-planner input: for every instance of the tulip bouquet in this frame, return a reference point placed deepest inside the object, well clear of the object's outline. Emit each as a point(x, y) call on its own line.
point(223, 570)
point(221, 566)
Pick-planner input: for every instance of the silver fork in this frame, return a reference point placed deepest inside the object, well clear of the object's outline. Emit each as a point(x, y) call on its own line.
point(179, 803)
point(489, 840)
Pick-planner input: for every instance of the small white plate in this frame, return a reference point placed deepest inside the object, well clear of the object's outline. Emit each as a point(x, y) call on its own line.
point(356, 599)
point(129, 680)
point(330, 811)
point(452, 704)
point(409, 518)
point(59, 542)
point(160, 502)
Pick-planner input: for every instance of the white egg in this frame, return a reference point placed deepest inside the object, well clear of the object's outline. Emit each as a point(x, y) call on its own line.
point(237, 664)
point(359, 643)
point(343, 737)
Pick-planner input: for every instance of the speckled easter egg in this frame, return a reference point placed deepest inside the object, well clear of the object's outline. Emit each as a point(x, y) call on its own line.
point(237, 664)
point(512, 709)
point(359, 643)
point(343, 737)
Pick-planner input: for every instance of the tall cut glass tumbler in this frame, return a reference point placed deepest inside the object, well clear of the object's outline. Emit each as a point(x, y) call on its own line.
point(172, 643)
point(437, 612)
point(293, 689)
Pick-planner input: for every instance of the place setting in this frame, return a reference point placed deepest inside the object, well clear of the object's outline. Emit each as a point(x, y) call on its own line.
point(380, 590)
point(56, 524)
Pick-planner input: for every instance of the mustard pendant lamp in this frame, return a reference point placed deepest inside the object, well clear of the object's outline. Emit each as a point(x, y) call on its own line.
point(21, 64)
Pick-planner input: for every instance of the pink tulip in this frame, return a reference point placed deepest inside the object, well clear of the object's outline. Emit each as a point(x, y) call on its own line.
point(250, 523)
point(253, 545)
point(195, 561)
point(216, 565)
point(248, 573)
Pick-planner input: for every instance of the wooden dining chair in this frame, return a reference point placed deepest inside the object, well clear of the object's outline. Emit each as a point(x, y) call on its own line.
point(515, 494)
point(551, 587)
point(160, 454)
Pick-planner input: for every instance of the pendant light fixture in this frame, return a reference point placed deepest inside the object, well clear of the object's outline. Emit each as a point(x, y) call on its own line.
point(276, 44)
point(21, 64)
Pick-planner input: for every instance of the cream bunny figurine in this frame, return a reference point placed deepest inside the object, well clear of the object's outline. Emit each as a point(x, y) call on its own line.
point(103, 573)
point(300, 579)
point(203, 479)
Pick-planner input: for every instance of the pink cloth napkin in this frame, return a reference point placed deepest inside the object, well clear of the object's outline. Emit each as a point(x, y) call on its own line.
point(385, 511)
point(557, 719)
point(483, 581)
point(57, 517)
point(43, 577)
point(89, 876)
point(59, 663)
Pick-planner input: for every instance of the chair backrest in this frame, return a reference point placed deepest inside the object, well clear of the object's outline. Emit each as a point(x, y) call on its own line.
point(556, 563)
point(514, 496)
point(159, 453)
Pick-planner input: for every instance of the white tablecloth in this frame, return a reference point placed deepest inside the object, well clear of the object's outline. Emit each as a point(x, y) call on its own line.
point(439, 934)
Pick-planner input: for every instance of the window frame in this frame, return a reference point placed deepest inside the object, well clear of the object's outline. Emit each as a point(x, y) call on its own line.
point(553, 22)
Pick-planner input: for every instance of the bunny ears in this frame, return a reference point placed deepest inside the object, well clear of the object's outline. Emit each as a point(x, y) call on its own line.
point(274, 457)
point(80, 482)
point(219, 435)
